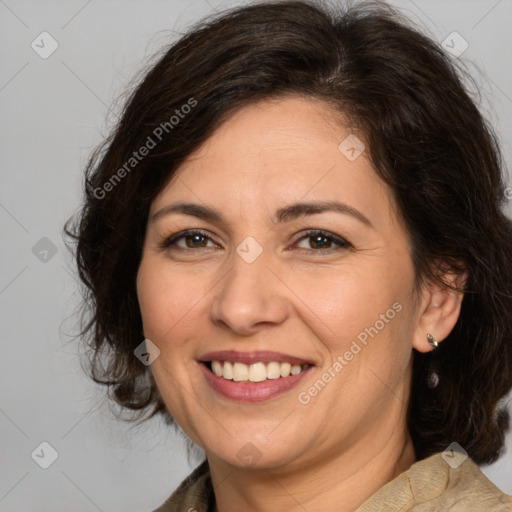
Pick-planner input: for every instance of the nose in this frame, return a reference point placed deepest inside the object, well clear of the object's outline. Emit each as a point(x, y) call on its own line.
point(250, 297)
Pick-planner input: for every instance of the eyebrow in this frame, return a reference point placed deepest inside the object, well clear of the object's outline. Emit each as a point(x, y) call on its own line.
point(284, 214)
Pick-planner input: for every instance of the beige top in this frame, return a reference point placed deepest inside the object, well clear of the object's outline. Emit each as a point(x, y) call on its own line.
point(430, 485)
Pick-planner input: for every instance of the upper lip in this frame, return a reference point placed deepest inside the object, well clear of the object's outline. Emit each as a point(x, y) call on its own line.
point(264, 356)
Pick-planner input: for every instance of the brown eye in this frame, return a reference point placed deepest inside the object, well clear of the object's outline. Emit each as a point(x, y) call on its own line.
point(321, 241)
point(194, 241)
point(189, 240)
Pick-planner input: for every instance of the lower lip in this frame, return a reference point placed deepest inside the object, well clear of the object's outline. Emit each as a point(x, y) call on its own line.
point(246, 391)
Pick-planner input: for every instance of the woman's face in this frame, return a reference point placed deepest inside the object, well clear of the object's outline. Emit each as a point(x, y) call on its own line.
point(235, 270)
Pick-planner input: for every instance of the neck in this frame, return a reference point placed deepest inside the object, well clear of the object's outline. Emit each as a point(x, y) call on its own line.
point(341, 482)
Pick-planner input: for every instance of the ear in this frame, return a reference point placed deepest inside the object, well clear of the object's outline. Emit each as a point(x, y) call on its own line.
point(439, 310)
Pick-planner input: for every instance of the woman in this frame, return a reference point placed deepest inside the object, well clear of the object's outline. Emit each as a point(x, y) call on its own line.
point(300, 212)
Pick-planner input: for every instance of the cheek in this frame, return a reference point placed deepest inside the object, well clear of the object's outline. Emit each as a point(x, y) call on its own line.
point(149, 293)
point(343, 305)
point(166, 303)
point(164, 297)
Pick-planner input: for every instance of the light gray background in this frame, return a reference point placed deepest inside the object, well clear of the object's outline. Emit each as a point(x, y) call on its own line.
point(53, 113)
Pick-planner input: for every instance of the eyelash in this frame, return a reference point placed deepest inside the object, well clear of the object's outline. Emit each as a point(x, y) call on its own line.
point(340, 242)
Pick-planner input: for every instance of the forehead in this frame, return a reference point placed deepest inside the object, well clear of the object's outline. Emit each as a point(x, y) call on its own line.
point(287, 124)
point(294, 135)
point(279, 151)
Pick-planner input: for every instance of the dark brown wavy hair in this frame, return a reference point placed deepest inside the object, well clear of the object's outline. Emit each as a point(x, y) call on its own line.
point(425, 137)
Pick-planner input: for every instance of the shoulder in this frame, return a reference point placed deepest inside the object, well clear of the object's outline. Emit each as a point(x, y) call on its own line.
point(195, 493)
point(440, 483)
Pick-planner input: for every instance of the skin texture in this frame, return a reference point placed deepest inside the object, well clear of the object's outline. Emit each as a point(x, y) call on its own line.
point(298, 298)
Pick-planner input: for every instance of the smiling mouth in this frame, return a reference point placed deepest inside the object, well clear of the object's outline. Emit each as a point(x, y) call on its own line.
point(255, 372)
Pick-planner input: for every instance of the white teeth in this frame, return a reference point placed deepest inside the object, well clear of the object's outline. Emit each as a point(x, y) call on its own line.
point(217, 368)
point(295, 369)
point(273, 370)
point(227, 370)
point(256, 372)
point(240, 372)
point(285, 369)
